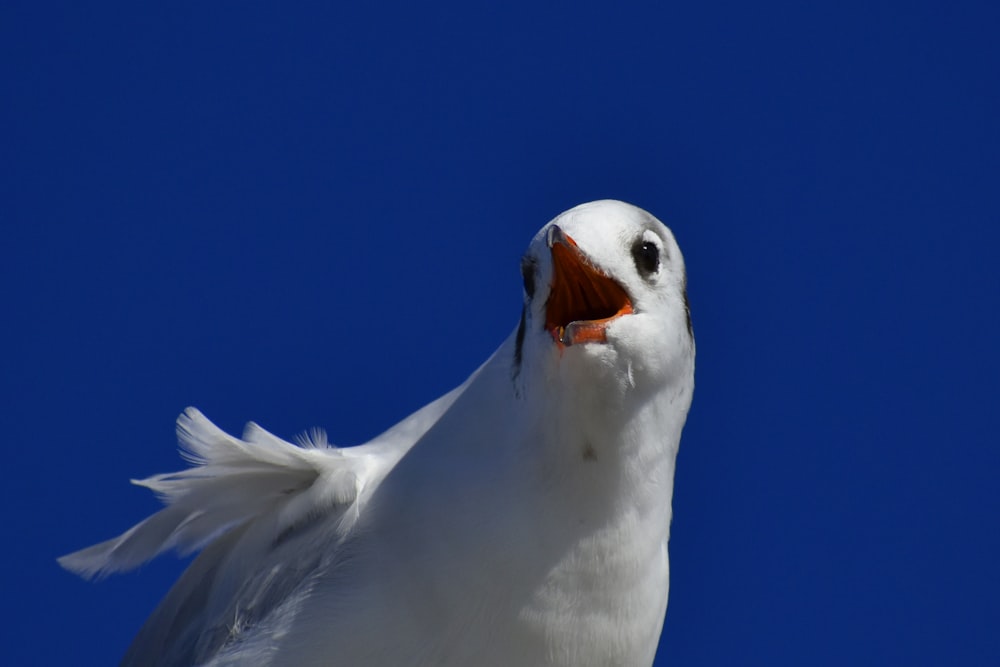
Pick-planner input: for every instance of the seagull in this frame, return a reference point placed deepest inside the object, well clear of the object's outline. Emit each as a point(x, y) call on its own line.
point(521, 519)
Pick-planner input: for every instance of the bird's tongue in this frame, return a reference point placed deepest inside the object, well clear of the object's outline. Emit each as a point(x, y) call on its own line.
point(582, 300)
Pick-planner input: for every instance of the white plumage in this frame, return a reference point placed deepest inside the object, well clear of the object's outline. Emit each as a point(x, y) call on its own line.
point(521, 519)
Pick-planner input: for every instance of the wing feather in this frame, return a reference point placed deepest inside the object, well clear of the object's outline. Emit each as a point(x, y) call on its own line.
point(266, 515)
point(232, 481)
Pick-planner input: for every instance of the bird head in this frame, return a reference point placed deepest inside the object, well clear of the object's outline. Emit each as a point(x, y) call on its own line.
point(605, 292)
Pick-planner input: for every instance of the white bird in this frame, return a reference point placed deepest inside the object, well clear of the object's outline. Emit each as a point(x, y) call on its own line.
point(521, 519)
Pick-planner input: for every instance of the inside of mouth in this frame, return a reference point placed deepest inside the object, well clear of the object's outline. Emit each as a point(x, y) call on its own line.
point(580, 293)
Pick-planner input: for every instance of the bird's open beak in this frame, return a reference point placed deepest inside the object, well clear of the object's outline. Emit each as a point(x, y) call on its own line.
point(582, 299)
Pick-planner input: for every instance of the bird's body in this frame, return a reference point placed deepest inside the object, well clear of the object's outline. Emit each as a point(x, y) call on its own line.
point(521, 519)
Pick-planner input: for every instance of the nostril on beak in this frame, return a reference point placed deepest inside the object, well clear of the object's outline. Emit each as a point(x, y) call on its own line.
point(557, 235)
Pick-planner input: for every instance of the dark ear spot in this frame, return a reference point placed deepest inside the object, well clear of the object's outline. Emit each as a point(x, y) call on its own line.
point(528, 275)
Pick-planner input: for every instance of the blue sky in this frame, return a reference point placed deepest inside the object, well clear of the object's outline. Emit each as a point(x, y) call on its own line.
point(313, 215)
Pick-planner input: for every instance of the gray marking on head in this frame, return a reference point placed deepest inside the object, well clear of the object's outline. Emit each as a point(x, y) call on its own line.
point(519, 344)
point(687, 309)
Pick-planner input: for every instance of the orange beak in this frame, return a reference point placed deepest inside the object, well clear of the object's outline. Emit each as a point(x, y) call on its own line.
point(582, 300)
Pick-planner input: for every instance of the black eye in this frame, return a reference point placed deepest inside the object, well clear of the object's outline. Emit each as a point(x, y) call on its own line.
point(528, 275)
point(647, 258)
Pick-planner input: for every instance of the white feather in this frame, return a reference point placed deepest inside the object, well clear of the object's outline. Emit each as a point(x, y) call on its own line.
point(234, 480)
